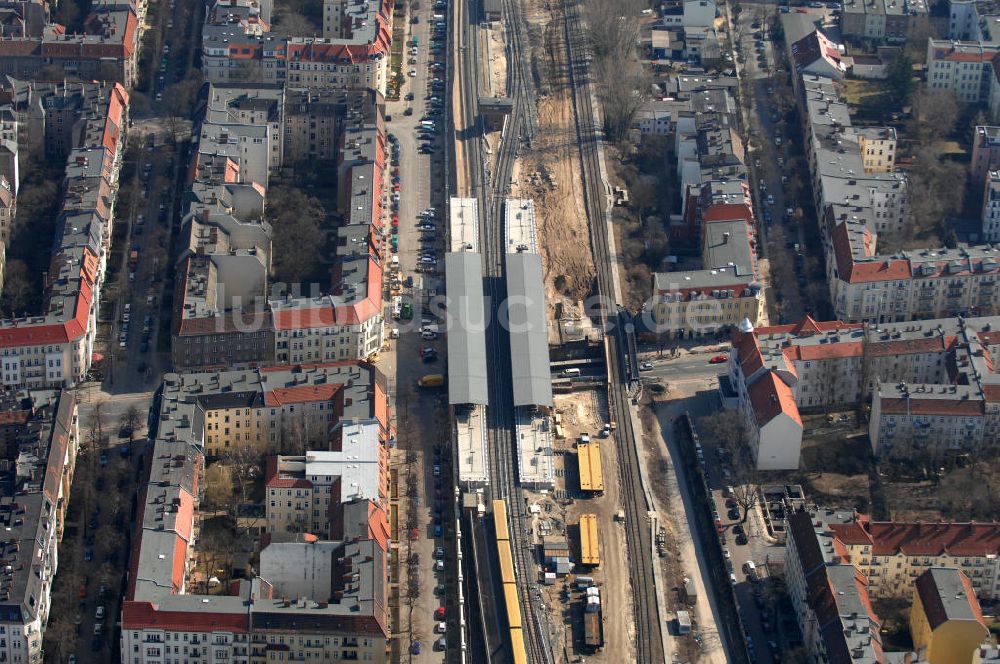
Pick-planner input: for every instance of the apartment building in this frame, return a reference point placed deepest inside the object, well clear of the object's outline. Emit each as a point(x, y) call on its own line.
point(42, 435)
point(891, 554)
point(830, 597)
point(929, 283)
point(282, 409)
point(338, 611)
point(309, 493)
point(354, 52)
point(990, 217)
point(963, 68)
point(858, 199)
point(932, 383)
point(688, 13)
point(725, 291)
point(815, 54)
point(247, 104)
point(836, 562)
point(54, 348)
point(106, 50)
point(709, 150)
point(945, 618)
point(963, 20)
point(850, 165)
point(228, 312)
point(888, 21)
point(985, 153)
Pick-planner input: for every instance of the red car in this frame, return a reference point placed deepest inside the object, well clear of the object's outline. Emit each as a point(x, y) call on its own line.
point(719, 359)
point(439, 613)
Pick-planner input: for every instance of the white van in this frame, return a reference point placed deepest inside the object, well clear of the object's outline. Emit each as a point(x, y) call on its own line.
point(571, 372)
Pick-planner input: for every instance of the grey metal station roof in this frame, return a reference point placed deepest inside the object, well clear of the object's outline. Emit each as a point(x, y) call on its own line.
point(529, 339)
point(467, 382)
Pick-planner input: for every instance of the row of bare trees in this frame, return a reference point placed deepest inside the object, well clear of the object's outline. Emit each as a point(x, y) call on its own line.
point(623, 83)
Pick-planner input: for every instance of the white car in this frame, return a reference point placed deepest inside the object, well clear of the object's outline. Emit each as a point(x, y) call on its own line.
point(413, 73)
point(441, 627)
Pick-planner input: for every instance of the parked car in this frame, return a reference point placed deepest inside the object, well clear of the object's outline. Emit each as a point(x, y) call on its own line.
point(719, 359)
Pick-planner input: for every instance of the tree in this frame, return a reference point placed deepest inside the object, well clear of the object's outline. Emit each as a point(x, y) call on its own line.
point(899, 80)
point(219, 489)
point(298, 238)
point(243, 463)
point(623, 89)
point(916, 41)
point(728, 430)
point(60, 637)
point(612, 27)
point(934, 115)
point(16, 287)
point(109, 541)
point(293, 24)
point(95, 426)
point(936, 189)
point(131, 419)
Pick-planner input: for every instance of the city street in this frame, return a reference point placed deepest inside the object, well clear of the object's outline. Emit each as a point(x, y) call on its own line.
point(94, 553)
point(421, 415)
point(136, 356)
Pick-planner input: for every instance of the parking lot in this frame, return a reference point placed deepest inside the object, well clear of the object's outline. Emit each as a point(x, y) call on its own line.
point(752, 555)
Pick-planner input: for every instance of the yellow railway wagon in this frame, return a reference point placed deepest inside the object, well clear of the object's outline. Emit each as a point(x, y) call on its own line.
point(591, 473)
point(506, 562)
point(500, 520)
point(517, 646)
point(513, 607)
point(590, 546)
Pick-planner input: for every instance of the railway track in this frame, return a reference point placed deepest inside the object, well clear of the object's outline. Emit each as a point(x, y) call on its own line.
point(648, 637)
point(490, 190)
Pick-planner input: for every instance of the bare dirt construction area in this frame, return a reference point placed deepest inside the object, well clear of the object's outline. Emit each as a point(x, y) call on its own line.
point(549, 170)
point(559, 514)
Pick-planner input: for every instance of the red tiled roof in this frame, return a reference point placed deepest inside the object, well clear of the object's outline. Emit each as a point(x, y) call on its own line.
point(961, 56)
point(888, 538)
point(830, 351)
point(770, 397)
point(932, 344)
point(866, 271)
point(144, 615)
point(378, 525)
point(274, 481)
point(727, 212)
point(56, 333)
point(917, 406)
point(301, 394)
point(811, 326)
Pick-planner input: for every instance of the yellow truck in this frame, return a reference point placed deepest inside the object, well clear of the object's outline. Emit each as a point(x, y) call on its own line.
point(431, 380)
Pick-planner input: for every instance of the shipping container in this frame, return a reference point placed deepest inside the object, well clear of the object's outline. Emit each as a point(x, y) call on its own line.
point(593, 630)
point(591, 472)
point(590, 548)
